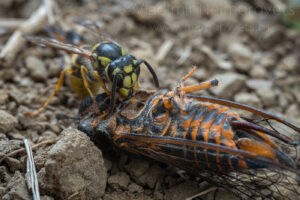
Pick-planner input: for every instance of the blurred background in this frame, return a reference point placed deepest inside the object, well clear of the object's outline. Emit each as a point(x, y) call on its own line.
point(251, 47)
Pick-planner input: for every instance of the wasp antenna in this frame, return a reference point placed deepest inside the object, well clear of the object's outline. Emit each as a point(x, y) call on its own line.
point(156, 82)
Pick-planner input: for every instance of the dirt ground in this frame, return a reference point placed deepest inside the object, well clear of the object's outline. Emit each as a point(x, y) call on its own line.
point(241, 43)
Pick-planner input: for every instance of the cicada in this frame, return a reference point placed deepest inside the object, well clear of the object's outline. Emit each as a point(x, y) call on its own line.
point(203, 136)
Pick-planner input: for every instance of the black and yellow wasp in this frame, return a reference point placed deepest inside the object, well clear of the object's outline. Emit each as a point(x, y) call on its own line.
point(91, 68)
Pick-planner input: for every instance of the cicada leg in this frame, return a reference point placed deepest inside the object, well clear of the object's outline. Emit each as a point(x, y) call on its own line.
point(57, 88)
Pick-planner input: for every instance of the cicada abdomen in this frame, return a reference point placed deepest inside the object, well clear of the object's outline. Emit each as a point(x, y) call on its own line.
point(206, 139)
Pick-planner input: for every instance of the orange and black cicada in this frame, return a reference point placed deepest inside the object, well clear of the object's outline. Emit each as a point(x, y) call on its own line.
point(202, 136)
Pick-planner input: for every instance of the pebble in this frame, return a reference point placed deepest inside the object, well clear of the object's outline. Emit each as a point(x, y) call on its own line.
point(256, 84)
point(288, 63)
point(241, 55)
point(37, 68)
point(292, 112)
point(248, 98)
point(182, 191)
point(268, 96)
point(7, 121)
point(74, 164)
point(17, 188)
point(133, 187)
point(270, 37)
point(151, 176)
point(7, 146)
point(137, 168)
point(13, 164)
point(229, 84)
point(121, 180)
point(258, 72)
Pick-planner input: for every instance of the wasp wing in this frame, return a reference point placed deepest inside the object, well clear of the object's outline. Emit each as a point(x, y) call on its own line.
point(264, 178)
point(49, 42)
point(96, 28)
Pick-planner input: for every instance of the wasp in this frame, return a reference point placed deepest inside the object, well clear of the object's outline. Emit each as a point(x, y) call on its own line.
point(105, 63)
point(202, 136)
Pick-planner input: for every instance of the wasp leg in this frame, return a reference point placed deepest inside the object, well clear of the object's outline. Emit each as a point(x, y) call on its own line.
point(246, 108)
point(83, 71)
point(57, 88)
point(140, 61)
point(101, 82)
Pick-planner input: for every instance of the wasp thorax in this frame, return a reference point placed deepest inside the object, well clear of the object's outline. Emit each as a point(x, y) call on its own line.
point(107, 52)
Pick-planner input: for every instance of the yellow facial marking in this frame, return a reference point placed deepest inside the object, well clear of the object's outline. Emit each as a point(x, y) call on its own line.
point(133, 77)
point(124, 92)
point(123, 52)
point(134, 62)
point(115, 71)
point(96, 46)
point(104, 60)
point(105, 41)
point(127, 82)
point(128, 69)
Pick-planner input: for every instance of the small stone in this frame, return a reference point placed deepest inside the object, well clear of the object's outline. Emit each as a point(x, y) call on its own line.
point(13, 164)
point(45, 197)
point(270, 36)
point(17, 188)
point(5, 177)
point(268, 60)
point(248, 99)
point(229, 84)
point(268, 96)
point(74, 164)
point(292, 112)
point(7, 146)
point(2, 191)
point(241, 55)
point(3, 97)
point(47, 135)
point(258, 72)
point(150, 178)
point(288, 63)
point(182, 191)
point(133, 187)
point(54, 67)
point(7, 121)
point(137, 168)
point(256, 84)
point(37, 68)
point(121, 179)
point(250, 18)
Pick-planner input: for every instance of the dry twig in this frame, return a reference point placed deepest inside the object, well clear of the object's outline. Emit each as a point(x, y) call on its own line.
point(34, 24)
point(22, 150)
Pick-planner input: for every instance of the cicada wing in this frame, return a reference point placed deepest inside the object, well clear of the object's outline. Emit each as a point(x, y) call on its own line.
point(263, 178)
point(49, 42)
